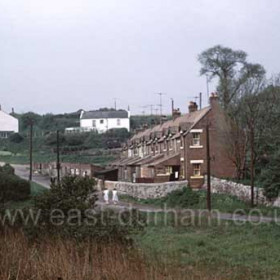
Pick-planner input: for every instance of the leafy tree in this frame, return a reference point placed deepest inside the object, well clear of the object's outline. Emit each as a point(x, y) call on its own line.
point(231, 68)
point(27, 118)
point(270, 178)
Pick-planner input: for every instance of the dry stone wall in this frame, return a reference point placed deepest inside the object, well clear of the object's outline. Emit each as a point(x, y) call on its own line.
point(239, 190)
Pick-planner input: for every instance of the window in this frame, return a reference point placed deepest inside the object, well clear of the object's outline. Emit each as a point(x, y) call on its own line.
point(196, 139)
point(101, 121)
point(118, 122)
point(93, 123)
point(196, 170)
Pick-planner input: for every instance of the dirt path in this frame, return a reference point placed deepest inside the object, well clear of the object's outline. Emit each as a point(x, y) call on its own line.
point(121, 206)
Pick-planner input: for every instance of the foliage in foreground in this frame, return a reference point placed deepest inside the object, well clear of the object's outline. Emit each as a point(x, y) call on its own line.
point(69, 210)
point(12, 188)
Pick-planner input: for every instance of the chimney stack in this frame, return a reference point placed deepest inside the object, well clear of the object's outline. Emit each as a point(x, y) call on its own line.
point(214, 99)
point(192, 107)
point(176, 113)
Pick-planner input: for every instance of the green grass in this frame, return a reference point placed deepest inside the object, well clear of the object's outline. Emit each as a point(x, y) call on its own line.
point(223, 202)
point(38, 157)
point(231, 251)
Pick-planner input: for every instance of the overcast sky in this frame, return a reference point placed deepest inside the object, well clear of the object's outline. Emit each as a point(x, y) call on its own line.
point(63, 55)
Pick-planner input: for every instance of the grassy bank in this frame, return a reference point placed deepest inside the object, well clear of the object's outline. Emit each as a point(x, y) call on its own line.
point(225, 250)
point(223, 202)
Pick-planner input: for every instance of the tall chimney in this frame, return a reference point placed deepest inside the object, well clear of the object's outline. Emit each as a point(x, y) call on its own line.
point(176, 113)
point(192, 107)
point(214, 99)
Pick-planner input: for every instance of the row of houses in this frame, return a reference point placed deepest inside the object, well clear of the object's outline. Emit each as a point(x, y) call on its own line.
point(74, 169)
point(176, 149)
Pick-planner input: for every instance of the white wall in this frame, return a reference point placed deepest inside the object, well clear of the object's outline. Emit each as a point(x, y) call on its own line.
point(8, 123)
point(107, 124)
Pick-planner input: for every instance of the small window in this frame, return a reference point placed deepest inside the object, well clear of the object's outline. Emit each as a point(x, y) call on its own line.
point(118, 122)
point(196, 170)
point(93, 123)
point(196, 139)
point(101, 121)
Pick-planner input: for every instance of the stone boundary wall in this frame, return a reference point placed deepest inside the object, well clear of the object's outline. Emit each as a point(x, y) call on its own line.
point(241, 191)
point(144, 191)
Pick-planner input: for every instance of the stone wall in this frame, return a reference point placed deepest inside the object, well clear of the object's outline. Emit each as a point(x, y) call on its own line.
point(144, 191)
point(239, 190)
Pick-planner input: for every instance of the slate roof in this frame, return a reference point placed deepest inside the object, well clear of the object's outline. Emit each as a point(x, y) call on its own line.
point(112, 114)
point(185, 122)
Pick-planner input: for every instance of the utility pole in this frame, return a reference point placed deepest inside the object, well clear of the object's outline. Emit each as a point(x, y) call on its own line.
point(172, 105)
point(57, 157)
point(200, 100)
point(207, 86)
point(160, 101)
point(252, 158)
point(208, 168)
point(30, 149)
point(115, 103)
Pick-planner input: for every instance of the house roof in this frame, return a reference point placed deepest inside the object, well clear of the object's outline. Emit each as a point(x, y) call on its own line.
point(185, 122)
point(167, 160)
point(110, 114)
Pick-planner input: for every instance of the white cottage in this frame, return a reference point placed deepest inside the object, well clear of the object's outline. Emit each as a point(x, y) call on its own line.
point(101, 121)
point(8, 124)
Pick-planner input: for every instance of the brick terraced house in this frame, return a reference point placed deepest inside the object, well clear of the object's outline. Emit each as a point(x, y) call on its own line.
point(176, 149)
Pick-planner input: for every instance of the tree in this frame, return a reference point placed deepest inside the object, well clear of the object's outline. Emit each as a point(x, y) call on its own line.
point(231, 68)
point(270, 178)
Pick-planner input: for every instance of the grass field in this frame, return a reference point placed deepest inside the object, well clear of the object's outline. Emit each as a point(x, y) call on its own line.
point(226, 251)
point(223, 202)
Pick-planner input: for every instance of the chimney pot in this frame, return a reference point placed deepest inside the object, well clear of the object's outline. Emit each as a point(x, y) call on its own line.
point(192, 107)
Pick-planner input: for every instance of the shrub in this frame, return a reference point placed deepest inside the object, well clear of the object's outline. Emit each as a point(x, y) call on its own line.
point(13, 188)
point(182, 198)
point(7, 169)
point(68, 209)
point(15, 138)
point(270, 178)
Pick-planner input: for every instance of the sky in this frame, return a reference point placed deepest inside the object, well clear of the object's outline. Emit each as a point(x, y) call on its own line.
point(59, 56)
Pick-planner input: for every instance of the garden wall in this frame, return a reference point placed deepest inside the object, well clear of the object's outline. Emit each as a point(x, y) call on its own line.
point(239, 190)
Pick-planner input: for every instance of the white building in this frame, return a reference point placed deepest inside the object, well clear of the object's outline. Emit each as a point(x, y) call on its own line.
point(8, 124)
point(101, 121)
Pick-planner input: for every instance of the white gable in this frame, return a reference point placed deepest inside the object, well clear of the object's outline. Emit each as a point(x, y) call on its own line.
point(8, 122)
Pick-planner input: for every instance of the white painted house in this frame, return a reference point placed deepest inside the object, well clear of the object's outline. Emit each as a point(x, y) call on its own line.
point(8, 124)
point(101, 121)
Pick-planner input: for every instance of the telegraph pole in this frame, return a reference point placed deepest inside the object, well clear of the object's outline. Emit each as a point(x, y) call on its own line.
point(207, 87)
point(200, 100)
point(57, 157)
point(208, 168)
point(160, 101)
point(30, 149)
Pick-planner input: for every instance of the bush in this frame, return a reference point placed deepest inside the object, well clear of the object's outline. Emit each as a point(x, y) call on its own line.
point(270, 178)
point(15, 138)
point(68, 210)
point(7, 169)
point(13, 188)
point(182, 198)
